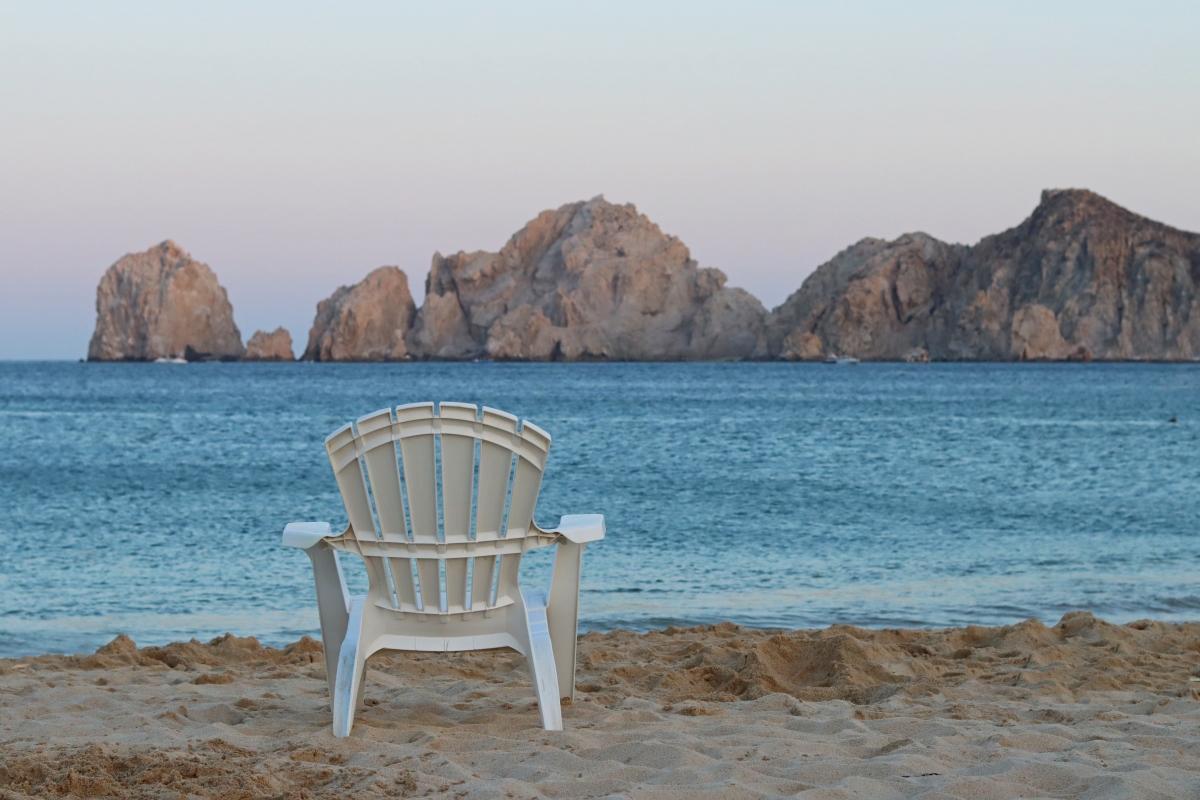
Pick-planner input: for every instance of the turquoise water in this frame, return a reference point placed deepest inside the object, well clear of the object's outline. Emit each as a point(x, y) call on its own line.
point(148, 499)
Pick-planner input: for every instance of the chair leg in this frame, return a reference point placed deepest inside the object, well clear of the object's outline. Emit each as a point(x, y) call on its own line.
point(333, 605)
point(360, 699)
point(351, 672)
point(540, 655)
point(562, 612)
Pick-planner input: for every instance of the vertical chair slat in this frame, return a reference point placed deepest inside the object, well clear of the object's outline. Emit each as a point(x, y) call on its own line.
point(534, 447)
point(524, 497)
point(415, 424)
point(499, 434)
point(481, 582)
point(495, 463)
point(506, 587)
point(343, 457)
point(458, 469)
point(456, 583)
point(379, 455)
point(402, 579)
point(431, 587)
point(458, 472)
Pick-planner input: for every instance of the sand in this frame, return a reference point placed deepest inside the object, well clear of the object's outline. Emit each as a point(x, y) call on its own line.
point(1083, 709)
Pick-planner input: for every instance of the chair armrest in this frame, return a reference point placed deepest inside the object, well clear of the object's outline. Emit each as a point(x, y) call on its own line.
point(580, 528)
point(304, 535)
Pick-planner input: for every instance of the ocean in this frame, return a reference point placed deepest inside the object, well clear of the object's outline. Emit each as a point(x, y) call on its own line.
point(148, 499)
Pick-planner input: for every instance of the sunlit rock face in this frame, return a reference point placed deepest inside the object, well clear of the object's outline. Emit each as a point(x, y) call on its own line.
point(163, 304)
point(588, 281)
point(1081, 278)
point(273, 346)
point(368, 321)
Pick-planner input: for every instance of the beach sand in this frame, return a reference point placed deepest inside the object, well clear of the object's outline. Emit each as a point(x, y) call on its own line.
point(1083, 709)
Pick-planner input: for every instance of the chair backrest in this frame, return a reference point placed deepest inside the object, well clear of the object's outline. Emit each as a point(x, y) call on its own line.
point(440, 503)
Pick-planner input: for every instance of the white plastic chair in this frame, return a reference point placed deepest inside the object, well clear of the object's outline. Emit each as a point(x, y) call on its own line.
point(442, 530)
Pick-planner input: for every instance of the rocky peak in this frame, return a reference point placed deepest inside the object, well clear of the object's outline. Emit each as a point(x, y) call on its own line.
point(169, 252)
point(162, 303)
point(1073, 212)
point(587, 281)
point(364, 322)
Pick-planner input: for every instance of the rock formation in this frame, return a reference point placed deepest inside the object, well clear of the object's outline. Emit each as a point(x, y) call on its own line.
point(864, 301)
point(273, 346)
point(589, 281)
point(161, 304)
point(364, 322)
point(1081, 278)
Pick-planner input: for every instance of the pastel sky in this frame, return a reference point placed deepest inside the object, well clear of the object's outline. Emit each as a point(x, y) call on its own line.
point(294, 147)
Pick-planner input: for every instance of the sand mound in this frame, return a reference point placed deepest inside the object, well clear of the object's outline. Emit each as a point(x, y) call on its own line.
point(223, 651)
point(724, 662)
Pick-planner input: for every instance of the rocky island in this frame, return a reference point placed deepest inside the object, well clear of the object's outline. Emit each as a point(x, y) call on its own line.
point(163, 304)
point(1080, 279)
point(273, 346)
point(588, 281)
point(364, 322)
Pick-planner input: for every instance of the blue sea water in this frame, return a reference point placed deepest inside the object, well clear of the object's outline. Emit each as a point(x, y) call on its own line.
point(148, 499)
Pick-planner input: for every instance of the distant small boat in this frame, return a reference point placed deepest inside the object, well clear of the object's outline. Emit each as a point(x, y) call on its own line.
point(172, 360)
point(834, 358)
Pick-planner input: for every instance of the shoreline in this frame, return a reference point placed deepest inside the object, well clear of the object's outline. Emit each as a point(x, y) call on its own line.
point(1081, 708)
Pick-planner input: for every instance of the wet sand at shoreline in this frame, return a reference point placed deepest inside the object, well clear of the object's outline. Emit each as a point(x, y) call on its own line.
point(1083, 709)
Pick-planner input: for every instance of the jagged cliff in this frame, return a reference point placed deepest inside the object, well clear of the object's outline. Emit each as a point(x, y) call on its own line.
point(1081, 278)
point(162, 304)
point(364, 322)
point(588, 281)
